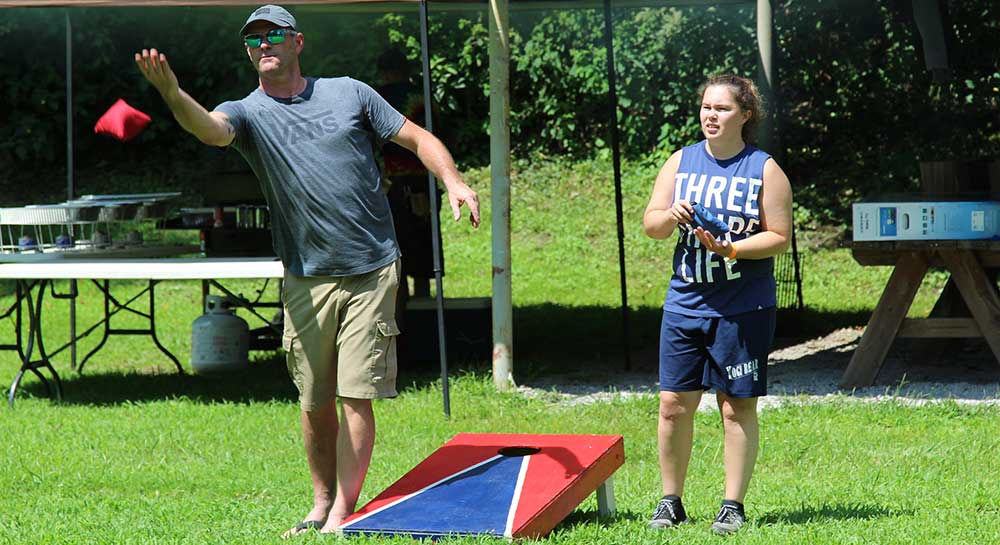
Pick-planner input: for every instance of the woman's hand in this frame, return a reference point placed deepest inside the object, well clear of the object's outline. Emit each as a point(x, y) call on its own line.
point(719, 246)
point(681, 212)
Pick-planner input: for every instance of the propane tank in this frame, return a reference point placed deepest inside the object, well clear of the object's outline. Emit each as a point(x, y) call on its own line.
point(220, 340)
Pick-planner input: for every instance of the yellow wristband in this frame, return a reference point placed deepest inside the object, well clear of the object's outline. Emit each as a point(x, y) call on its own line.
point(732, 255)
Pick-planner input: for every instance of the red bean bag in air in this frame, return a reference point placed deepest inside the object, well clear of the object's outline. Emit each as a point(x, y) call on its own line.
point(122, 121)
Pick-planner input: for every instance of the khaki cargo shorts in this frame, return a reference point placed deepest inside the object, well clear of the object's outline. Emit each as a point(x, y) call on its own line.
point(340, 335)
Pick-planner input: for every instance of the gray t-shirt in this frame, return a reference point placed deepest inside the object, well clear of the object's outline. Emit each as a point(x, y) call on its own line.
point(314, 156)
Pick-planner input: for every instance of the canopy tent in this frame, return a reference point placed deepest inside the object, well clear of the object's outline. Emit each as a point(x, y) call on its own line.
point(926, 13)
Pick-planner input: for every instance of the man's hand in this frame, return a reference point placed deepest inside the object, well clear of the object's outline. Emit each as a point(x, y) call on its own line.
point(459, 194)
point(213, 128)
point(436, 158)
point(155, 68)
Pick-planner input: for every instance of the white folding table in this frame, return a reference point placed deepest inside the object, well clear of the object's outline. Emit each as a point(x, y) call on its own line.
point(33, 276)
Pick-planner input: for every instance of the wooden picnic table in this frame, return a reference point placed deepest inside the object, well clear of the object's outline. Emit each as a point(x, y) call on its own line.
point(968, 307)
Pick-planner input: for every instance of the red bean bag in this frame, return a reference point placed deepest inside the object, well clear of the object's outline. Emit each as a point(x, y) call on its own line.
point(122, 121)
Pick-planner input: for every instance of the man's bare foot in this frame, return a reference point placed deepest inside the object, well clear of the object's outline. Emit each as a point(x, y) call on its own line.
point(332, 525)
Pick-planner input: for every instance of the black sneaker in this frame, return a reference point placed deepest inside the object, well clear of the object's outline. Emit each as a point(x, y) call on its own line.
point(730, 518)
point(669, 512)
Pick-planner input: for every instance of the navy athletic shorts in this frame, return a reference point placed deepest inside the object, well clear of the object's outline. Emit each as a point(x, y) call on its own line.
point(727, 353)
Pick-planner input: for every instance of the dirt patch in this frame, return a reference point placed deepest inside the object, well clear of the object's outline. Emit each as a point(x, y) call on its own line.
point(915, 371)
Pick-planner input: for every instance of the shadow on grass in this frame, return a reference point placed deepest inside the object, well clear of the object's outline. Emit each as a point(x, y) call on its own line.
point(557, 338)
point(797, 324)
point(565, 331)
point(549, 339)
point(581, 517)
point(265, 380)
point(807, 514)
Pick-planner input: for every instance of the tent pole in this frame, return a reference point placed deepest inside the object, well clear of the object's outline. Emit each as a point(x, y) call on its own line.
point(70, 190)
point(771, 130)
point(435, 219)
point(499, 51)
point(765, 51)
point(70, 186)
point(616, 162)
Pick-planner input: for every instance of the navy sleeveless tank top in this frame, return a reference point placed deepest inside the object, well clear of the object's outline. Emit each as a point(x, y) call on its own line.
point(705, 283)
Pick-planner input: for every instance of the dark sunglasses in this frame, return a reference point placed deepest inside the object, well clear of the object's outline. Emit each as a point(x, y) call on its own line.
point(274, 37)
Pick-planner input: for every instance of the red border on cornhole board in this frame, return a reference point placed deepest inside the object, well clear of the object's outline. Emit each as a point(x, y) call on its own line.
point(565, 470)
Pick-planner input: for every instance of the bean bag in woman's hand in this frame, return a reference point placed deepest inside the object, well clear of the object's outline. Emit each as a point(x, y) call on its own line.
point(707, 221)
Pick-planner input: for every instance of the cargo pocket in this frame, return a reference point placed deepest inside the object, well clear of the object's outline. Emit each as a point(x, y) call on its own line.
point(293, 359)
point(382, 362)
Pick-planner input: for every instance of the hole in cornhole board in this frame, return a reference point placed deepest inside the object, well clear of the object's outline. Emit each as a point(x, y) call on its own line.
point(513, 452)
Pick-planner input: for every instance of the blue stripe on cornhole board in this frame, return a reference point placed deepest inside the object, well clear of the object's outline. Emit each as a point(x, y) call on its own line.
point(475, 502)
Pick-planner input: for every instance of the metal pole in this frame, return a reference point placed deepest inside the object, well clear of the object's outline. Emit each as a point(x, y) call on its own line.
point(927, 16)
point(435, 220)
point(765, 50)
point(771, 130)
point(503, 329)
point(617, 164)
point(70, 189)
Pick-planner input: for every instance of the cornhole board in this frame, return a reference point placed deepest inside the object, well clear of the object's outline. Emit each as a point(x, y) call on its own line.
point(502, 485)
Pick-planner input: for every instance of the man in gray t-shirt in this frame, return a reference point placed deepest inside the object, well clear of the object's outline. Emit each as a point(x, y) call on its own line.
point(310, 142)
point(316, 150)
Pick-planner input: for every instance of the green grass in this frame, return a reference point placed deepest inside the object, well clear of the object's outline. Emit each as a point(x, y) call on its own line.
point(139, 454)
point(206, 461)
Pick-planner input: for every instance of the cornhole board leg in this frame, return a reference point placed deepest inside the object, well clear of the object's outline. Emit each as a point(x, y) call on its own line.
point(606, 497)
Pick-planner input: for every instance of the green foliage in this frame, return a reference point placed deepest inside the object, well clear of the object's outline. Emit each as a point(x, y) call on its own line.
point(858, 108)
point(460, 74)
point(203, 48)
point(662, 57)
point(561, 105)
point(32, 144)
point(560, 100)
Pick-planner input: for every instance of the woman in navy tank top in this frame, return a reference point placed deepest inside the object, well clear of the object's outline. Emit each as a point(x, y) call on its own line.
point(731, 206)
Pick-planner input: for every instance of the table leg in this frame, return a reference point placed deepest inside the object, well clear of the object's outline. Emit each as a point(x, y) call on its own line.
point(250, 306)
point(885, 321)
point(72, 325)
point(105, 289)
point(948, 305)
point(15, 309)
point(34, 331)
point(205, 290)
point(978, 291)
point(106, 322)
point(152, 328)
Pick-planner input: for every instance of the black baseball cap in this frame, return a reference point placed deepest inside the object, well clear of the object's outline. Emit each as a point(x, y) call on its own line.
point(271, 13)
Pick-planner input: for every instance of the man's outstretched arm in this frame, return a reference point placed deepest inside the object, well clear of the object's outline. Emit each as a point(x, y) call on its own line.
point(434, 155)
point(213, 128)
